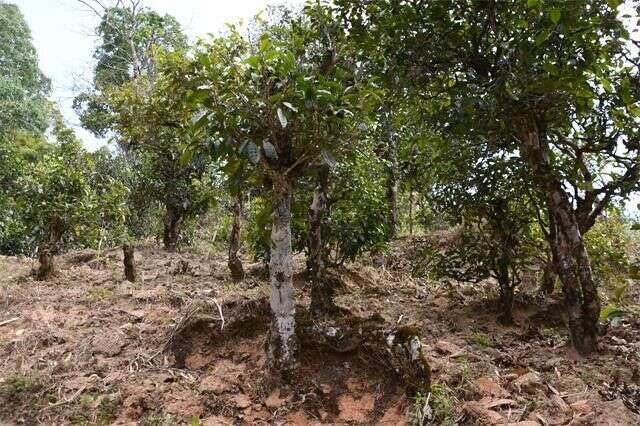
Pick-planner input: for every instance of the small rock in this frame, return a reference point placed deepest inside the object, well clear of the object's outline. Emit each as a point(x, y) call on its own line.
point(274, 400)
point(215, 384)
point(528, 383)
point(552, 362)
point(581, 406)
point(241, 401)
point(488, 386)
point(481, 415)
point(445, 347)
point(107, 344)
point(326, 388)
point(615, 413)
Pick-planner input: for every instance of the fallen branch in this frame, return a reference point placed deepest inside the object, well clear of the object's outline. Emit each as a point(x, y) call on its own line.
point(66, 401)
point(220, 311)
point(9, 321)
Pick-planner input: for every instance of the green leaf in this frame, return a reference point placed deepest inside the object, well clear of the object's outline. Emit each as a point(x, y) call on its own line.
point(555, 15)
point(199, 120)
point(606, 85)
point(613, 4)
point(196, 97)
point(532, 3)
point(186, 156)
point(611, 311)
point(253, 152)
point(270, 150)
point(291, 107)
point(543, 36)
point(282, 118)
point(329, 159)
point(550, 68)
point(264, 43)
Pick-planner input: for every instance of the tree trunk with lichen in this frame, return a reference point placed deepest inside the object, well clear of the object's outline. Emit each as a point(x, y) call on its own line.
point(282, 341)
point(234, 262)
point(129, 262)
point(47, 251)
point(572, 260)
point(172, 220)
point(321, 288)
point(549, 273)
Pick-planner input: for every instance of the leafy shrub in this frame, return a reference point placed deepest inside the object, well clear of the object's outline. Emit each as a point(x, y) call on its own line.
point(608, 243)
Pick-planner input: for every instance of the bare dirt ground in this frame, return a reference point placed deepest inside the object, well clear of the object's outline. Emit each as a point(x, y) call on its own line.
point(90, 348)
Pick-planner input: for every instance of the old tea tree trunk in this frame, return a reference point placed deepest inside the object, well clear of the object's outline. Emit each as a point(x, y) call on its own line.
point(129, 262)
point(172, 219)
point(46, 251)
point(573, 266)
point(282, 342)
point(234, 262)
point(321, 288)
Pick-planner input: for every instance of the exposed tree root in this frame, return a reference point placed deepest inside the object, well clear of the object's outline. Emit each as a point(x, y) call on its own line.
point(395, 349)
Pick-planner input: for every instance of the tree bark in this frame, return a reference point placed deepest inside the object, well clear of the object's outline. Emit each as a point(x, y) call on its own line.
point(321, 288)
point(505, 308)
point(234, 262)
point(129, 262)
point(46, 269)
point(392, 178)
point(282, 342)
point(573, 265)
point(46, 252)
point(548, 282)
point(549, 275)
point(411, 213)
point(171, 233)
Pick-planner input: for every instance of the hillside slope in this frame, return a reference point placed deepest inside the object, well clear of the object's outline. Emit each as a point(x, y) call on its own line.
point(91, 348)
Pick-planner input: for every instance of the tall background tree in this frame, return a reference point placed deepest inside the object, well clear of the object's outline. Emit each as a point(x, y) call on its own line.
point(131, 103)
point(24, 117)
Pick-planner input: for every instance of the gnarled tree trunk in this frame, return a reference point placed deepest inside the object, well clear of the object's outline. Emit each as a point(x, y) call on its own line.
point(505, 308)
point(321, 288)
point(170, 236)
point(129, 262)
point(549, 274)
point(46, 252)
point(548, 281)
point(46, 268)
point(234, 262)
point(282, 341)
point(573, 265)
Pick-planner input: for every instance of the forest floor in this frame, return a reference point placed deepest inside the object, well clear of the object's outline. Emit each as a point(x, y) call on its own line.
point(88, 347)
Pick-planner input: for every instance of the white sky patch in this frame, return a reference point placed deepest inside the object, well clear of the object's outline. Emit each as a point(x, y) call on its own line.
point(62, 32)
